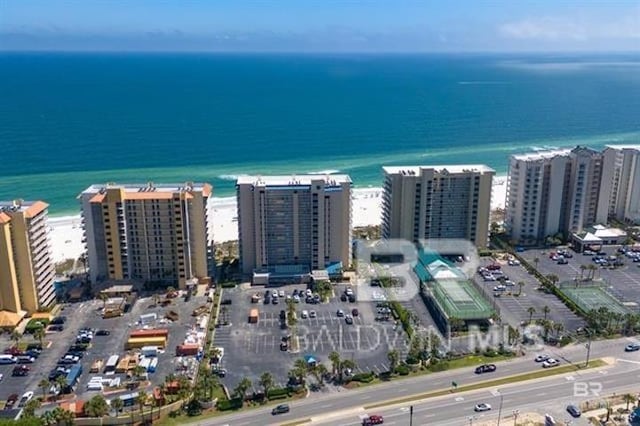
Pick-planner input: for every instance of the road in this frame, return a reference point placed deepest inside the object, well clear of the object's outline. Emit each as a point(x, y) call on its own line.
point(345, 407)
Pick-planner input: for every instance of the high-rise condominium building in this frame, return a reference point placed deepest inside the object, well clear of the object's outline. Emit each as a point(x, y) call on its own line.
point(295, 223)
point(551, 192)
point(147, 233)
point(26, 267)
point(436, 202)
point(620, 189)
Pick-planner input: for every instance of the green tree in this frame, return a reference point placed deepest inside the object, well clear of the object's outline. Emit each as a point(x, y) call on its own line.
point(558, 328)
point(629, 399)
point(242, 387)
point(39, 335)
point(104, 297)
point(545, 311)
point(292, 320)
point(44, 385)
point(96, 407)
point(116, 406)
point(31, 407)
point(143, 398)
point(335, 359)
point(582, 269)
point(16, 337)
point(347, 364)
point(531, 310)
point(319, 371)
point(267, 382)
point(553, 279)
point(535, 262)
point(393, 356)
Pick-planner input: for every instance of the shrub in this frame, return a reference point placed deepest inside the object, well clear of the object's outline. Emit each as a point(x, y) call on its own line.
point(35, 324)
point(402, 370)
point(229, 404)
point(363, 377)
point(439, 366)
point(228, 284)
point(277, 393)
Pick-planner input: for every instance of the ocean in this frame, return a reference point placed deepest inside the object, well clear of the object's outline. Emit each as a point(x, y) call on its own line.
point(68, 120)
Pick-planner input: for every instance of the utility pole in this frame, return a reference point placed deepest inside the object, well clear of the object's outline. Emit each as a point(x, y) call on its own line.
point(411, 415)
point(500, 408)
point(588, 346)
point(516, 413)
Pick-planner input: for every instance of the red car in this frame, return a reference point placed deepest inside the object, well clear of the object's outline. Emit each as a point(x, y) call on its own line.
point(373, 420)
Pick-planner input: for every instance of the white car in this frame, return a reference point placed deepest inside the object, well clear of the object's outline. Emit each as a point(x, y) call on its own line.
point(482, 407)
point(274, 293)
point(26, 397)
point(550, 363)
point(514, 262)
point(1, 377)
point(305, 314)
point(542, 358)
point(281, 293)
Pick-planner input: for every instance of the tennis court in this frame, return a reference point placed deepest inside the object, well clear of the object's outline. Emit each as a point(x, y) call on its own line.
point(592, 297)
point(460, 299)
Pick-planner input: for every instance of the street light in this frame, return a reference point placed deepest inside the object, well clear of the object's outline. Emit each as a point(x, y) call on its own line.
point(516, 413)
point(588, 346)
point(500, 408)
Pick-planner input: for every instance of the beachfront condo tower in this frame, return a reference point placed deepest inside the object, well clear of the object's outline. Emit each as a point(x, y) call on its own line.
point(148, 234)
point(26, 266)
point(620, 189)
point(437, 202)
point(290, 226)
point(552, 192)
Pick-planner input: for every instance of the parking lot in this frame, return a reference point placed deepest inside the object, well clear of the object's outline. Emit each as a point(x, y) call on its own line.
point(623, 282)
point(88, 315)
point(253, 348)
point(515, 309)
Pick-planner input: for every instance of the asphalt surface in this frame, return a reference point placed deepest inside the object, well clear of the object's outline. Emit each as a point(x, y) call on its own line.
point(347, 406)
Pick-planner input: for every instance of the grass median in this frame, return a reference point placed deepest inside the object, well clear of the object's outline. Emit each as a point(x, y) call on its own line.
point(491, 383)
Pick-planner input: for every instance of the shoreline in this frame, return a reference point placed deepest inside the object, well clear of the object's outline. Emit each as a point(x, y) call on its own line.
point(66, 231)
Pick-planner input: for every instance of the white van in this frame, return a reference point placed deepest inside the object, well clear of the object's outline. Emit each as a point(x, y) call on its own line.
point(7, 359)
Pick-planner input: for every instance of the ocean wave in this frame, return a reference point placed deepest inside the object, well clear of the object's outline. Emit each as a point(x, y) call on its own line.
point(230, 177)
point(483, 83)
point(324, 172)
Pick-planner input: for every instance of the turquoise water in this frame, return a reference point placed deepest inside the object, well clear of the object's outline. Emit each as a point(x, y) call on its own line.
point(69, 120)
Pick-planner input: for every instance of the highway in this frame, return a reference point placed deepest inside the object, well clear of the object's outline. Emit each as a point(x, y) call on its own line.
point(541, 395)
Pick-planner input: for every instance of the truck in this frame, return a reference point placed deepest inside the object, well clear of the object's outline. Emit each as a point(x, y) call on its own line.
point(72, 377)
point(253, 316)
point(96, 366)
point(112, 363)
point(187, 349)
point(149, 351)
point(153, 365)
point(146, 319)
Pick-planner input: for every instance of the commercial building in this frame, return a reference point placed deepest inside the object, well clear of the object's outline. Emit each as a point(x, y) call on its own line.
point(551, 192)
point(620, 189)
point(148, 233)
point(434, 202)
point(26, 267)
point(290, 226)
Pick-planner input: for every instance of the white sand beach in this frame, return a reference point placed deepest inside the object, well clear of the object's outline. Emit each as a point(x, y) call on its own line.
point(66, 232)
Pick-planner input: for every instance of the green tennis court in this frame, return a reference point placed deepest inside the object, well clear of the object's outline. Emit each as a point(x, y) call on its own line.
point(592, 297)
point(460, 299)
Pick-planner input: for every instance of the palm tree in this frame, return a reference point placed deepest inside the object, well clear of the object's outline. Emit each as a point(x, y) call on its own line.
point(116, 405)
point(61, 382)
point(546, 311)
point(143, 398)
point(242, 387)
point(16, 336)
point(393, 357)
point(334, 357)
point(553, 279)
point(347, 364)
point(582, 269)
point(138, 371)
point(535, 262)
point(434, 344)
point(39, 334)
point(592, 272)
point(48, 418)
point(96, 407)
point(628, 398)
point(267, 382)
point(104, 297)
point(31, 407)
point(520, 285)
point(292, 320)
point(531, 310)
point(65, 417)
point(320, 370)
point(558, 328)
point(44, 385)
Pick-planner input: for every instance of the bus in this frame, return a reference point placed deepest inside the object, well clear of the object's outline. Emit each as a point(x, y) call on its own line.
point(112, 362)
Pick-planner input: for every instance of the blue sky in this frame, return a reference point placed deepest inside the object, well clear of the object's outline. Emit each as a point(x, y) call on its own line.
point(321, 25)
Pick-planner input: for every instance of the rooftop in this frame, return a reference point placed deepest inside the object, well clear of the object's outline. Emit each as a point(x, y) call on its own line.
point(29, 208)
point(636, 147)
point(456, 168)
point(541, 155)
point(292, 180)
point(151, 187)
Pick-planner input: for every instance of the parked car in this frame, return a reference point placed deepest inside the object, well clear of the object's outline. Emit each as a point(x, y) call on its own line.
point(280, 409)
point(573, 410)
point(20, 371)
point(312, 314)
point(340, 313)
point(348, 319)
point(562, 261)
point(11, 401)
point(355, 312)
point(26, 397)
point(103, 333)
